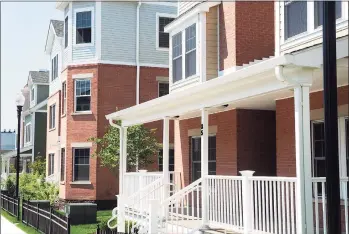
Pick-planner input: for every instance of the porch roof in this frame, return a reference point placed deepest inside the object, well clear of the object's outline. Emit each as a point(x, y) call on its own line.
point(247, 82)
point(24, 152)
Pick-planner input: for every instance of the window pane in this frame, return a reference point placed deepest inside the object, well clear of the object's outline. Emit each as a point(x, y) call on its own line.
point(83, 19)
point(295, 18)
point(83, 103)
point(83, 35)
point(163, 89)
point(212, 168)
point(177, 69)
point(319, 166)
point(66, 32)
point(190, 38)
point(81, 164)
point(81, 172)
point(62, 163)
point(319, 12)
point(190, 63)
point(196, 171)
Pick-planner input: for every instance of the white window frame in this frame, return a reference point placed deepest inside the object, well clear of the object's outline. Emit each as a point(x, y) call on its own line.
point(51, 164)
point(92, 26)
point(53, 69)
point(52, 117)
point(341, 148)
point(158, 15)
point(311, 30)
point(64, 160)
point(26, 141)
point(75, 97)
point(32, 94)
point(184, 26)
point(64, 98)
point(66, 32)
point(89, 172)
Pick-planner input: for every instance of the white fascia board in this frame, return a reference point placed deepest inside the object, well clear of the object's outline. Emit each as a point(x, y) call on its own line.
point(203, 88)
point(38, 106)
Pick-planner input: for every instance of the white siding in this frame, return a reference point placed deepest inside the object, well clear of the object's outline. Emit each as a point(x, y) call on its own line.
point(83, 53)
point(186, 5)
point(56, 49)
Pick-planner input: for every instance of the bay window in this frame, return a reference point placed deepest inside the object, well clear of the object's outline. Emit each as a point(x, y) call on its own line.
point(83, 27)
point(190, 51)
point(177, 57)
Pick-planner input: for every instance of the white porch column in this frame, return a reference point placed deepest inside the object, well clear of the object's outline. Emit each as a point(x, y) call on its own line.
point(165, 157)
point(204, 163)
point(121, 160)
point(8, 166)
point(303, 161)
point(124, 150)
point(24, 165)
point(122, 167)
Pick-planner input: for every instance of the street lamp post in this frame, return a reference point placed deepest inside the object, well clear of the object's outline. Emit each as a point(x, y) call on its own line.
point(19, 102)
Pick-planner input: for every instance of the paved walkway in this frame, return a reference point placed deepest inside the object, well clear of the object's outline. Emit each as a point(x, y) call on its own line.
point(9, 228)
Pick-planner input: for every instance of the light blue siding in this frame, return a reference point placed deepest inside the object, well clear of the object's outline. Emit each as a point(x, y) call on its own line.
point(118, 31)
point(80, 52)
point(148, 52)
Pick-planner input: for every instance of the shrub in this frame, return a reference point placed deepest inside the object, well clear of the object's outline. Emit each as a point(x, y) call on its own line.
point(38, 166)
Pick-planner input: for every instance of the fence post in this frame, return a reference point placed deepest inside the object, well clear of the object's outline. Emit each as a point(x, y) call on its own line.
point(37, 216)
point(247, 201)
point(97, 229)
point(121, 213)
point(18, 206)
point(23, 216)
point(50, 223)
point(68, 224)
point(153, 216)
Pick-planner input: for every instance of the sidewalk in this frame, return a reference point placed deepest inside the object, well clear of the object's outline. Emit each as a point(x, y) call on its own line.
point(9, 228)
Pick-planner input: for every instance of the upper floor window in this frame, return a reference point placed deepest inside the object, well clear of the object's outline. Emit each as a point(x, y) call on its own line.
point(52, 117)
point(83, 27)
point(163, 37)
point(177, 57)
point(64, 97)
point(189, 51)
point(163, 89)
point(27, 133)
point(66, 32)
point(82, 95)
point(319, 12)
point(32, 94)
point(54, 68)
point(51, 164)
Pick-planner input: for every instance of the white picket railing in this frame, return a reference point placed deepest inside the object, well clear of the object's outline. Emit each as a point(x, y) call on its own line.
point(320, 206)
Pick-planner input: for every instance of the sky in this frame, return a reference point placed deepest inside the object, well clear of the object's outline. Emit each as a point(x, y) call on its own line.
point(24, 27)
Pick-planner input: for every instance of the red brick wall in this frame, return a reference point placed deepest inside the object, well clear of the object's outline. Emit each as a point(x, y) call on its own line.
point(246, 32)
point(285, 129)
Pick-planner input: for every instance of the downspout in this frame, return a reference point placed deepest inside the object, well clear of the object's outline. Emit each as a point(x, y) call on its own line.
point(137, 53)
point(279, 73)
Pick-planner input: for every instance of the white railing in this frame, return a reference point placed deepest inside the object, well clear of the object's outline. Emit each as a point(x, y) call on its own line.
point(134, 181)
point(225, 201)
point(320, 207)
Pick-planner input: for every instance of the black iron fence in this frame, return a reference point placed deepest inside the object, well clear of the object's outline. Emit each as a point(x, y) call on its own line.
point(10, 204)
point(46, 221)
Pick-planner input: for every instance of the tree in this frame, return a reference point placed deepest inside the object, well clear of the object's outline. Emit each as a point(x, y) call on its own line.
point(38, 166)
point(141, 147)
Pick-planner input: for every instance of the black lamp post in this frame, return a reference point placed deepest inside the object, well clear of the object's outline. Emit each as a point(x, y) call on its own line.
point(19, 102)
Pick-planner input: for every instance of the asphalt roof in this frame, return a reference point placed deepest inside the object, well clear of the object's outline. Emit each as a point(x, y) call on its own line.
point(58, 25)
point(39, 76)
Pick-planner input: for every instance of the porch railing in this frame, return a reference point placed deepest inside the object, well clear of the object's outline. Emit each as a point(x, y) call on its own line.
point(134, 181)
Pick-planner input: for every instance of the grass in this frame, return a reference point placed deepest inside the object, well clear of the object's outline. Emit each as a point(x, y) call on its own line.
point(102, 217)
point(19, 224)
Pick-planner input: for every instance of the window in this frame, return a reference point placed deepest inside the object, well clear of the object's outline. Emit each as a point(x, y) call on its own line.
point(163, 37)
point(62, 163)
point(52, 120)
point(66, 32)
point(27, 135)
point(163, 89)
point(32, 94)
point(64, 97)
point(318, 149)
point(177, 57)
point(81, 164)
point(319, 12)
point(51, 164)
point(196, 157)
point(171, 160)
point(83, 27)
point(190, 51)
point(295, 18)
point(54, 68)
point(82, 95)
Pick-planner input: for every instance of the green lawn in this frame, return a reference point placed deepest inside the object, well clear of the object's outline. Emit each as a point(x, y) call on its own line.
point(19, 224)
point(102, 217)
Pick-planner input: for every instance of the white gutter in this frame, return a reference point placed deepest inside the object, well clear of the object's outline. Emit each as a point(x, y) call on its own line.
point(114, 124)
point(137, 53)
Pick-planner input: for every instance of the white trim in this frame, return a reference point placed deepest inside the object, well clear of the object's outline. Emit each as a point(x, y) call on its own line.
point(218, 43)
point(93, 25)
point(122, 63)
point(82, 113)
point(81, 182)
point(162, 79)
point(75, 97)
point(98, 29)
point(70, 32)
point(50, 116)
point(157, 17)
point(170, 4)
point(228, 70)
point(83, 76)
point(81, 144)
point(26, 143)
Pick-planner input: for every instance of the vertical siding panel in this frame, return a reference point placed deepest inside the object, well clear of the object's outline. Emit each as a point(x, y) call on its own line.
point(211, 44)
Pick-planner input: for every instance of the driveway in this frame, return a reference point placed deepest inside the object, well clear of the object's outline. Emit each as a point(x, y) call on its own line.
point(9, 228)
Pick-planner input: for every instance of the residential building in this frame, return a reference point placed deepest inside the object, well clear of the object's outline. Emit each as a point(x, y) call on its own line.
point(8, 141)
point(33, 122)
point(247, 102)
point(104, 56)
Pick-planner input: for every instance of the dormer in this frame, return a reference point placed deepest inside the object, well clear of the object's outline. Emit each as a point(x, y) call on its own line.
point(211, 39)
point(37, 87)
point(299, 24)
point(53, 48)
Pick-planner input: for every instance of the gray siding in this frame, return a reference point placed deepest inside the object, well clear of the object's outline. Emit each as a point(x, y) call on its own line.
point(148, 52)
point(42, 93)
point(186, 5)
point(40, 134)
point(118, 39)
point(82, 53)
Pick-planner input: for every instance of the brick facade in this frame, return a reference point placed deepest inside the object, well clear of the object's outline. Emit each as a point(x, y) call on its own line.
point(246, 32)
point(285, 128)
point(112, 86)
point(238, 147)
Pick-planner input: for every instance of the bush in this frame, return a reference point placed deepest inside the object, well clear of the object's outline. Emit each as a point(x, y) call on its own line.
point(10, 185)
point(38, 166)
